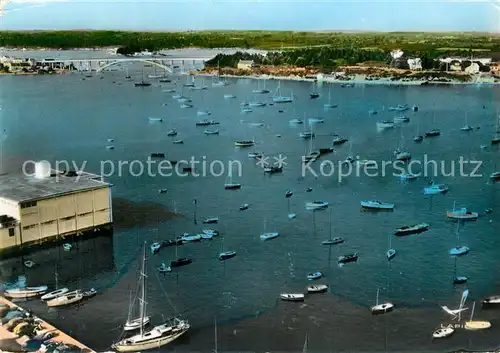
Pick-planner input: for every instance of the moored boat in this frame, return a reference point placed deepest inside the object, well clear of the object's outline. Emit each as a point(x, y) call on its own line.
point(383, 308)
point(54, 294)
point(348, 258)
point(317, 288)
point(339, 140)
point(436, 189)
point(27, 292)
point(211, 132)
point(385, 124)
point(244, 143)
point(244, 207)
point(432, 133)
point(269, 236)
point(413, 229)
point(462, 214)
point(459, 250)
point(491, 301)
point(66, 299)
point(211, 220)
point(316, 205)
point(314, 276)
point(377, 205)
point(401, 119)
point(292, 297)
point(333, 241)
point(443, 332)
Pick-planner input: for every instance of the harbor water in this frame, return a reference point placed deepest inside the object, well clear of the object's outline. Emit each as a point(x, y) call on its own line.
point(70, 117)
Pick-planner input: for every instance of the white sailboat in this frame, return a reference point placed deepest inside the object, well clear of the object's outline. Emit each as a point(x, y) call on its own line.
point(391, 252)
point(158, 336)
point(466, 127)
point(329, 104)
point(459, 250)
point(268, 236)
point(225, 255)
point(291, 215)
point(278, 98)
point(142, 320)
point(260, 90)
point(381, 308)
point(57, 292)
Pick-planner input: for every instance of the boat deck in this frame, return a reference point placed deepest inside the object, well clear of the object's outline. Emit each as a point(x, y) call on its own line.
point(61, 337)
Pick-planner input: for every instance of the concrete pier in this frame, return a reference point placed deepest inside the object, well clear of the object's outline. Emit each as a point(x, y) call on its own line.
point(60, 337)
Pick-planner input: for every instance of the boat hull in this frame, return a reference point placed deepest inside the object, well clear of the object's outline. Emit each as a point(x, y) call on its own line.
point(382, 308)
point(292, 297)
point(477, 325)
point(135, 324)
point(30, 292)
point(411, 230)
point(152, 344)
point(54, 294)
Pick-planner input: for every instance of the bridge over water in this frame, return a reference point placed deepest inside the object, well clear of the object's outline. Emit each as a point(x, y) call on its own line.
point(166, 63)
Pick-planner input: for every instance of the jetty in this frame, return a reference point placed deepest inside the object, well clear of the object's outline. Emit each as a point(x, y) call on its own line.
point(15, 343)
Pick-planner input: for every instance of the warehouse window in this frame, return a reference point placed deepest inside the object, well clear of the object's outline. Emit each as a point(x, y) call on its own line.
point(28, 204)
point(29, 227)
point(11, 232)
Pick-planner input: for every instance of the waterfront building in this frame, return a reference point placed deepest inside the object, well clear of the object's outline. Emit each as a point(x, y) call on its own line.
point(51, 205)
point(415, 63)
point(246, 64)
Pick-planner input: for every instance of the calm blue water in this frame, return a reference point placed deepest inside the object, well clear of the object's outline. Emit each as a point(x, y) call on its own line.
point(66, 118)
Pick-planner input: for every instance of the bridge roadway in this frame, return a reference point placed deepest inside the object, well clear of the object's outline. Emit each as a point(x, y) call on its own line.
point(164, 62)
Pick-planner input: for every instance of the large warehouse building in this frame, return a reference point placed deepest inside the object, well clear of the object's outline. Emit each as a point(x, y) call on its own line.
point(51, 205)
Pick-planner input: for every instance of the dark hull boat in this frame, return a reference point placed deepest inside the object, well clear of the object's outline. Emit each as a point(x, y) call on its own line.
point(226, 255)
point(492, 301)
point(414, 229)
point(348, 258)
point(180, 262)
point(142, 84)
point(313, 95)
point(158, 155)
point(433, 133)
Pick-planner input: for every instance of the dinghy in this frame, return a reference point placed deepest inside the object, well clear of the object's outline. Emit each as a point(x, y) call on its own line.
point(316, 205)
point(317, 288)
point(314, 276)
point(443, 332)
point(292, 297)
point(54, 294)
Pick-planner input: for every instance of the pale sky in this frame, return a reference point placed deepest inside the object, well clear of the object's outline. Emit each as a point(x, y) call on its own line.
point(388, 15)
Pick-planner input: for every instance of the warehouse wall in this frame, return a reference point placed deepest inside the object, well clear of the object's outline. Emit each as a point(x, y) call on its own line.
point(9, 208)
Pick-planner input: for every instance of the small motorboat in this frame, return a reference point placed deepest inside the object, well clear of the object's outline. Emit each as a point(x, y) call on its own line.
point(54, 294)
point(211, 220)
point(29, 263)
point(377, 205)
point(459, 251)
point(164, 268)
point(292, 297)
point(314, 276)
point(110, 140)
point(466, 128)
point(432, 133)
point(273, 170)
point(443, 332)
point(296, 121)
point(229, 96)
point(313, 95)
point(89, 293)
point(178, 142)
point(183, 100)
point(211, 132)
point(162, 191)
point(386, 124)
point(185, 106)
point(135, 324)
point(326, 150)
point(436, 189)
point(462, 214)
point(413, 229)
point(110, 147)
point(309, 189)
point(186, 238)
point(180, 262)
point(488, 210)
point(246, 110)
point(399, 108)
point(257, 155)
point(491, 301)
point(155, 120)
point(418, 138)
point(306, 135)
point(203, 112)
point(316, 121)
point(292, 215)
point(333, 241)
point(172, 133)
point(339, 140)
point(210, 231)
point(401, 119)
point(317, 288)
point(257, 104)
point(232, 186)
point(226, 255)
point(288, 193)
point(244, 143)
point(67, 247)
point(244, 207)
point(206, 122)
point(206, 236)
point(460, 280)
point(382, 308)
point(390, 254)
point(269, 236)
point(155, 247)
point(316, 205)
point(348, 258)
point(495, 176)
point(407, 176)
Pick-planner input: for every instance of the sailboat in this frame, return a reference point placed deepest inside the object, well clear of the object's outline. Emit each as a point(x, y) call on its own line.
point(57, 292)
point(224, 255)
point(291, 215)
point(312, 155)
point(472, 325)
point(141, 321)
point(459, 250)
point(219, 82)
point(400, 154)
point(268, 236)
point(183, 261)
point(156, 337)
point(230, 184)
point(278, 98)
point(329, 104)
point(313, 94)
point(466, 126)
point(381, 308)
point(259, 90)
point(142, 83)
point(418, 137)
point(127, 76)
point(332, 241)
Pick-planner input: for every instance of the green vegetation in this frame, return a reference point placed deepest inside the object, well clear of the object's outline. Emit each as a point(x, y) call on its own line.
point(410, 42)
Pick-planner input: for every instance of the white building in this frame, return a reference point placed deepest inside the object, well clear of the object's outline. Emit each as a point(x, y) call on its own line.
point(415, 63)
point(246, 64)
point(51, 206)
point(483, 61)
point(472, 69)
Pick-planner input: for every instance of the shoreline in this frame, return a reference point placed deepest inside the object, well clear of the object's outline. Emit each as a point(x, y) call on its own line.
point(358, 79)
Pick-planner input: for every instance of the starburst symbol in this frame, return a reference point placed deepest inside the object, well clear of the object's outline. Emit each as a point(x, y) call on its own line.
point(262, 161)
point(280, 161)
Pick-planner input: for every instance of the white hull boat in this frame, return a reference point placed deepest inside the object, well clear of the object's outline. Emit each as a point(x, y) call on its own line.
point(157, 337)
point(385, 124)
point(66, 299)
point(390, 254)
point(459, 250)
point(229, 96)
point(317, 288)
point(314, 276)
point(211, 132)
point(256, 104)
point(269, 236)
point(401, 119)
point(377, 205)
point(203, 113)
point(292, 297)
point(54, 294)
point(244, 143)
point(382, 308)
point(155, 120)
point(407, 176)
point(443, 332)
point(316, 205)
point(436, 189)
point(135, 324)
point(296, 121)
point(27, 292)
point(190, 238)
point(210, 231)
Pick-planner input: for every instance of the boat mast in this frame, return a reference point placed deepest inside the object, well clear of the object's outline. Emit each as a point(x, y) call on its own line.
point(143, 290)
point(304, 350)
point(376, 302)
point(215, 320)
point(472, 313)
point(330, 224)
